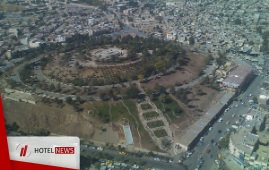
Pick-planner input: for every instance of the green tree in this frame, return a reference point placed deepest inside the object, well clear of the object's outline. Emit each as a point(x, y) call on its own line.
point(140, 77)
point(165, 98)
point(237, 21)
point(191, 40)
point(255, 99)
point(132, 92)
point(224, 142)
point(160, 89)
point(69, 100)
point(104, 97)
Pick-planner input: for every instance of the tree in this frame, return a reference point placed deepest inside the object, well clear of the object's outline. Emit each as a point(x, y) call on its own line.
point(237, 21)
point(2, 16)
point(165, 98)
point(159, 64)
point(160, 89)
point(140, 77)
point(191, 40)
point(173, 90)
point(104, 97)
point(224, 142)
point(255, 99)
point(69, 100)
point(132, 92)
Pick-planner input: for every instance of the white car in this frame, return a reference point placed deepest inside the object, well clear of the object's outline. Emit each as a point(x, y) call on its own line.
point(100, 148)
point(210, 128)
point(220, 120)
point(157, 159)
point(217, 161)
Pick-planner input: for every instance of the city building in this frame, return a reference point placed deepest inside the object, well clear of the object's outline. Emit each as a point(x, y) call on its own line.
point(249, 145)
point(238, 77)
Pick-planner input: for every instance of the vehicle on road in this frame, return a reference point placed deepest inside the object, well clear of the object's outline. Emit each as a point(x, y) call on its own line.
point(122, 153)
point(156, 159)
point(233, 115)
point(189, 154)
point(217, 162)
point(228, 122)
point(201, 139)
point(220, 120)
point(92, 147)
point(210, 128)
point(100, 148)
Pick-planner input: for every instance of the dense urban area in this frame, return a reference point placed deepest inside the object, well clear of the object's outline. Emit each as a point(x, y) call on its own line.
point(152, 84)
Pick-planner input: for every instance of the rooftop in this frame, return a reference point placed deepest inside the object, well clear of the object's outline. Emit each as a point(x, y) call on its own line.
point(238, 74)
point(195, 129)
point(244, 140)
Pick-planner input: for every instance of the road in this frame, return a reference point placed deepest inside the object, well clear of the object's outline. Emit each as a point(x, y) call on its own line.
point(150, 162)
point(218, 130)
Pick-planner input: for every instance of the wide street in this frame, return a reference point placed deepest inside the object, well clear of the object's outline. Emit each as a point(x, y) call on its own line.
point(150, 162)
point(204, 151)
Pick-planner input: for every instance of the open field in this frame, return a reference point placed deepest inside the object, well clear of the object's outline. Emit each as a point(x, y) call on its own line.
point(190, 72)
point(155, 124)
point(150, 115)
point(160, 133)
point(62, 121)
point(87, 124)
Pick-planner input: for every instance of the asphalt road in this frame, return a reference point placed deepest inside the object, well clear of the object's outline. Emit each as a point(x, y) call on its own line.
point(218, 130)
point(150, 161)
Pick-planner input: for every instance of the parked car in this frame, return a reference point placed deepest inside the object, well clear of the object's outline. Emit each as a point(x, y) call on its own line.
point(100, 148)
point(157, 159)
point(220, 120)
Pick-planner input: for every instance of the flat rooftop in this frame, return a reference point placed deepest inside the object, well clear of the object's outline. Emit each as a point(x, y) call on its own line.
point(195, 129)
point(238, 74)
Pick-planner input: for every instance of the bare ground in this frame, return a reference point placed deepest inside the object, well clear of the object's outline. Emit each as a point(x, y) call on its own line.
point(62, 121)
point(189, 73)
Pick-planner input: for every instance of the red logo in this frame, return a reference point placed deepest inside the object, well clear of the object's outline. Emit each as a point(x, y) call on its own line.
point(23, 150)
point(64, 150)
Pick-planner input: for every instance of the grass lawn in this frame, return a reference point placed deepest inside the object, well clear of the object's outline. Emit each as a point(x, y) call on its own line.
point(146, 106)
point(160, 133)
point(102, 111)
point(170, 109)
point(150, 115)
point(155, 124)
point(118, 111)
